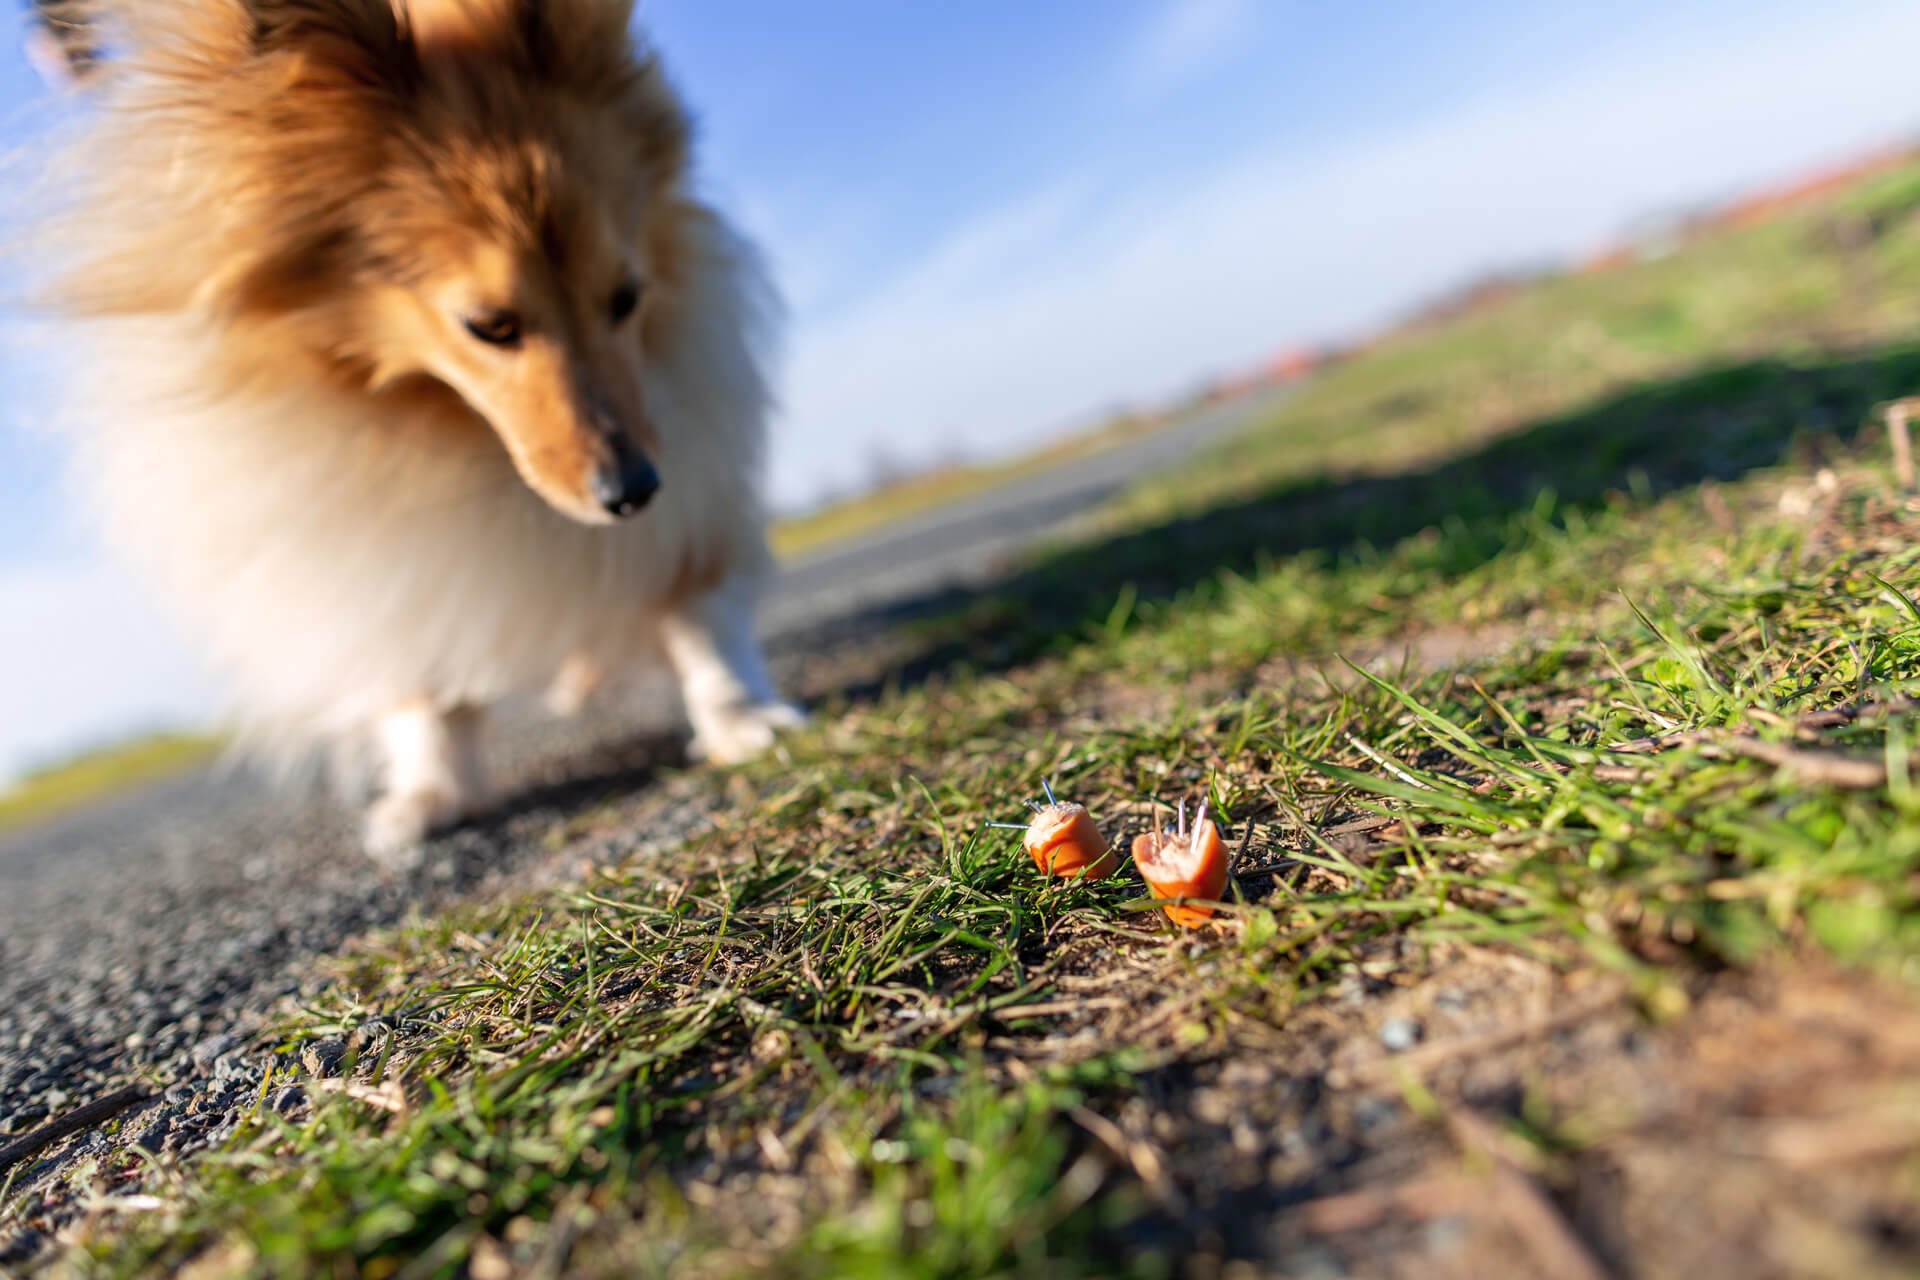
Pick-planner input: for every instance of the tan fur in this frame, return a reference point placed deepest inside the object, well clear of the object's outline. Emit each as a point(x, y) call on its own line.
point(287, 210)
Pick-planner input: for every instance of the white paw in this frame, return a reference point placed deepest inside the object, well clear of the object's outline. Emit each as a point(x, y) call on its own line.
point(398, 824)
point(578, 680)
point(733, 734)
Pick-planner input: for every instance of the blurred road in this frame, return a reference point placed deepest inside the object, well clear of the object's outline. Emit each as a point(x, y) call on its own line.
point(135, 929)
point(966, 542)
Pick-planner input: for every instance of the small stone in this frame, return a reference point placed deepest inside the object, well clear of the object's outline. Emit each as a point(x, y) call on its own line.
point(1446, 1235)
point(209, 1051)
point(1400, 1034)
point(152, 1138)
point(489, 1261)
point(288, 1099)
point(322, 1057)
point(1371, 1113)
point(1244, 1074)
point(232, 1069)
point(21, 1247)
point(1213, 1106)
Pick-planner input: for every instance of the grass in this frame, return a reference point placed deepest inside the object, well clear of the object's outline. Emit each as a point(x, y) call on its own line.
point(93, 775)
point(849, 1031)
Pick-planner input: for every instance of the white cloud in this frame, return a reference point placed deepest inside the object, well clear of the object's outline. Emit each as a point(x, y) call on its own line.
point(1184, 38)
point(1071, 298)
point(87, 658)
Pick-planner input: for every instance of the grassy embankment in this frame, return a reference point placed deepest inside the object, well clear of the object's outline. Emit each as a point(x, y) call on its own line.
point(850, 1032)
point(92, 775)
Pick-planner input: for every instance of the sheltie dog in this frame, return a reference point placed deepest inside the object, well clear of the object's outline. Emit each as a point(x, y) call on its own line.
point(411, 370)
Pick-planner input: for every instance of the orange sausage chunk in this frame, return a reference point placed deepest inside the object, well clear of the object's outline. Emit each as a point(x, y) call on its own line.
point(1064, 842)
point(1178, 863)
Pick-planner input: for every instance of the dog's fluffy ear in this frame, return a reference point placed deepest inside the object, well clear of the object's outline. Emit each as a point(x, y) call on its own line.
point(567, 39)
point(364, 41)
point(574, 34)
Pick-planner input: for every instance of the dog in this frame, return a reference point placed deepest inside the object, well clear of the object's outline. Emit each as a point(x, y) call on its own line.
point(414, 371)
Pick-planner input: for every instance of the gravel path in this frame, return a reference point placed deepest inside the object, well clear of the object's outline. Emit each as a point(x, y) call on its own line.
point(142, 937)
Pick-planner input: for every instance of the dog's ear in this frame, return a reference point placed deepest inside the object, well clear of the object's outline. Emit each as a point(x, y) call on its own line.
point(570, 40)
point(361, 41)
point(574, 36)
point(590, 44)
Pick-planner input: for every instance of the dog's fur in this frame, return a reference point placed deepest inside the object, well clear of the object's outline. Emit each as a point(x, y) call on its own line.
point(287, 213)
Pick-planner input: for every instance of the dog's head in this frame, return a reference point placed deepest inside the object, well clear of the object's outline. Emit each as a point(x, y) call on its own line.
point(479, 193)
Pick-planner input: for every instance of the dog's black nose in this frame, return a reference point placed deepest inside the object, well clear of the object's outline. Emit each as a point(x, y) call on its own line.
point(626, 484)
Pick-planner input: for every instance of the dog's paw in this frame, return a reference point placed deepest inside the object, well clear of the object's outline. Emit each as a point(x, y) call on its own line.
point(734, 734)
point(574, 686)
point(398, 825)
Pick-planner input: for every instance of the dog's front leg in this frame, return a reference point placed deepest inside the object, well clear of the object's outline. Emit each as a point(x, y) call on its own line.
point(724, 683)
point(431, 775)
point(579, 678)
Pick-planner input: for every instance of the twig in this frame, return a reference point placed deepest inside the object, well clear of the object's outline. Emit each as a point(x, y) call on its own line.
point(1810, 723)
point(388, 1097)
point(129, 1204)
point(1526, 1208)
point(1661, 742)
point(1851, 773)
point(1816, 1144)
point(1049, 1008)
point(1162, 1014)
point(564, 1229)
point(1369, 1206)
point(1146, 1162)
point(74, 1121)
point(1360, 826)
point(1899, 412)
point(1839, 717)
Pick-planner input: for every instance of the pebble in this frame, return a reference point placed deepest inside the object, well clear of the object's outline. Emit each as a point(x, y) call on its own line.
point(1400, 1034)
point(1371, 1113)
point(1445, 1235)
point(153, 1137)
point(322, 1057)
point(21, 1247)
point(232, 1069)
point(209, 1051)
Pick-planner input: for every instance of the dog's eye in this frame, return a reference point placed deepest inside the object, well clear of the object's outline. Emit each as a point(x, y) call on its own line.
point(500, 328)
point(625, 299)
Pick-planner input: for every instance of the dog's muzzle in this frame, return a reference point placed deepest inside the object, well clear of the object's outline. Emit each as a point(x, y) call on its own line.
point(627, 483)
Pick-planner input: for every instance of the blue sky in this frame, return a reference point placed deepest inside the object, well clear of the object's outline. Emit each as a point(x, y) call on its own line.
point(995, 220)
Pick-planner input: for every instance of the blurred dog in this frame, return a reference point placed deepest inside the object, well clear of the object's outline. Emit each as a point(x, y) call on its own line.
point(414, 370)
